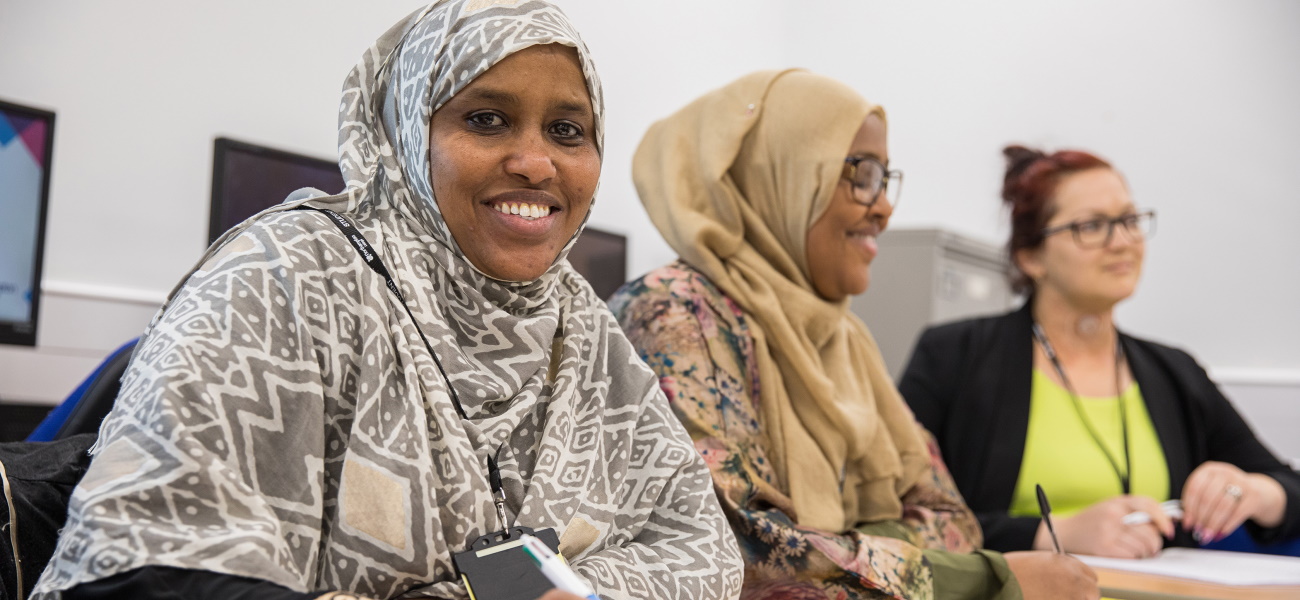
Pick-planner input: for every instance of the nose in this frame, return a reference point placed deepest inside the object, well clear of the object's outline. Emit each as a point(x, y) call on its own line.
point(881, 210)
point(531, 160)
point(1121, 237)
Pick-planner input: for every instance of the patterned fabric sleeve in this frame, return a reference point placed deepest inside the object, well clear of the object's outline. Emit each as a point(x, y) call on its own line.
point(935, 512)
point(673, 541)
point(177, 471)
point(696, 340)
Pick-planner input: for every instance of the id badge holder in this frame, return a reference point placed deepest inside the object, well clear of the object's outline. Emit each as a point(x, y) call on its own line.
point(496, 567)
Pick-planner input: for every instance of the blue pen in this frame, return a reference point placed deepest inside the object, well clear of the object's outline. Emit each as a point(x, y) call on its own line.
point(561, 576)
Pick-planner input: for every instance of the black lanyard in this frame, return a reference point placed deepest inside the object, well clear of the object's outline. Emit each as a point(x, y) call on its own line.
point(371, 257)
point(1078, 406)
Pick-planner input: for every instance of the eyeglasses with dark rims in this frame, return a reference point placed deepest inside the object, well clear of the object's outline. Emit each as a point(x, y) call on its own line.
point(869, 177)
point(1097, 233)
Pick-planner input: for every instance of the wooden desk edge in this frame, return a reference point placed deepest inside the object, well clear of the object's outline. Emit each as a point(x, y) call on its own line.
point(1118, 580)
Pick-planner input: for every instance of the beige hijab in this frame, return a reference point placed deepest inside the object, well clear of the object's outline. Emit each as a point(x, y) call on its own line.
point(734, 181)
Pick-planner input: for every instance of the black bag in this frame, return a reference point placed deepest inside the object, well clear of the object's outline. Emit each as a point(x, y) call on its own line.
point(37, 483)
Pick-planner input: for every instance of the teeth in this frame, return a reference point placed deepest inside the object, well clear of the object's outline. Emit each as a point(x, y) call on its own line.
point(527, 211)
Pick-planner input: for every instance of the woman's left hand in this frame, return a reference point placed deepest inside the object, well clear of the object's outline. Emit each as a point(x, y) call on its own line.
point(1219, 497)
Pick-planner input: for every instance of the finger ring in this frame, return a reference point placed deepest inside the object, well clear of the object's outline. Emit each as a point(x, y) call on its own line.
point(1234, 491)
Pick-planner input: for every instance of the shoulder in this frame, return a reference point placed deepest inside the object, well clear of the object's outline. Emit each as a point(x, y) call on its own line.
point(674, 280)
point(294, 248)
point(1178, 361)
point(301, 230)
point(677, 303)
point(1158, 348)
point(957, 349)
point(291, 240)
point(963, 333)
point(279, 232)
point(673, 287)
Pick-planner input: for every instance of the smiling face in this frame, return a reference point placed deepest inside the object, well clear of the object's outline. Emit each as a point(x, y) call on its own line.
point(514, 161)
point(1091, 279)
point(842, 242)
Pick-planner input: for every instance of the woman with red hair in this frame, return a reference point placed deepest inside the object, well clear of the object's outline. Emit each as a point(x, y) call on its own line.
point(1111, 425)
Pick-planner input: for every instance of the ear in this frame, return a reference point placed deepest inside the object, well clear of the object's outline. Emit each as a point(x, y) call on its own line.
point(1030, 261)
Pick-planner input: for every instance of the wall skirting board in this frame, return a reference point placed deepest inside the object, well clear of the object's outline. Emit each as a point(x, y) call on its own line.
point(81, 324)
point(1269, 399)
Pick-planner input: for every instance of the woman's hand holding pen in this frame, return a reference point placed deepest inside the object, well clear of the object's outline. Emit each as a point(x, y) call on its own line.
point(1100, 530)
point(1052, 576)
point(1219, 497)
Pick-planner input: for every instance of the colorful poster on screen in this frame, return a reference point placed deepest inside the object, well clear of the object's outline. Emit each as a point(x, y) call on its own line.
point(22, 168)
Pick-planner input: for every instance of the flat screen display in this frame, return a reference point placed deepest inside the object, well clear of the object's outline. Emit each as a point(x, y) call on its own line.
point(26, 147)
point(601, 257)
point(248, 178)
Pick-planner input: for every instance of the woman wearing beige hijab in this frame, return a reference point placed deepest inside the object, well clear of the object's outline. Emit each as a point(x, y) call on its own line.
point(772, 190)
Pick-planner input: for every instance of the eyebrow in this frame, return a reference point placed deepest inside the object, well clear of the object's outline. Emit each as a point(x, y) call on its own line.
point(883, 161)
point(1097, 214)
point(574, 107)
point(492, 95)
point(512, 99)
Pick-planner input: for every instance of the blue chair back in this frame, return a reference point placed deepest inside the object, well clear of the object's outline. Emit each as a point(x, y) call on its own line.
point(85, 408)
point(1240, 541)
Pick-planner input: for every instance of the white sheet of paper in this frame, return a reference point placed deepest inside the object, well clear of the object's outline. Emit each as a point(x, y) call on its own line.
point(1213, 566)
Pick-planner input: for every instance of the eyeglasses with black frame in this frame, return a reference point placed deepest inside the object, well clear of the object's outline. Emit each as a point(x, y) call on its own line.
point(1097, 233)
point(869, 177)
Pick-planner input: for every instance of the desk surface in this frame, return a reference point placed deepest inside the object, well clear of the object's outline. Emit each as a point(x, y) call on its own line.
point(1128, 585)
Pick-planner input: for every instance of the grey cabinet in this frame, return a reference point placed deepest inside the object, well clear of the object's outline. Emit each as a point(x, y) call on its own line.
point(926, 276)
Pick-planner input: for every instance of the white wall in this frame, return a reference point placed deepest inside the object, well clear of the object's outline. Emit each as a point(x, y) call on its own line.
point(142, 87)
point(1195, 100)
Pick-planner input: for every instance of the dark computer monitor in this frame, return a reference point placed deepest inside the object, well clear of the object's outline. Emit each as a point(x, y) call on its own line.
point(601, 257)
point(247, 178)
point(26, 147)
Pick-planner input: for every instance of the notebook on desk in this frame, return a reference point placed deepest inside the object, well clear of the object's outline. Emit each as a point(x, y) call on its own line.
point(1236, 569)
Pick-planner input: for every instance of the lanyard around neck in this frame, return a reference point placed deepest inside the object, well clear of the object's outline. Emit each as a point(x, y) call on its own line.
point(1124, 475)
point(371, 257)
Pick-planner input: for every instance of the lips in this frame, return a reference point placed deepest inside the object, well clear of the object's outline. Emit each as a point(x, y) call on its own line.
point(527, 211)
point(865, 240)
point(524, 212)
point(1123, 266)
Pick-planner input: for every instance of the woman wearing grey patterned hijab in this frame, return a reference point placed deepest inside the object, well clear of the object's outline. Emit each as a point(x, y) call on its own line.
point(285, 428)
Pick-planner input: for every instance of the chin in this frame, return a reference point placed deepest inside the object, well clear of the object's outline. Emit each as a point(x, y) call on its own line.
point(861, 283)
point(857, 288)
point(1124, 291)
point(515, 262)
point(504, 270)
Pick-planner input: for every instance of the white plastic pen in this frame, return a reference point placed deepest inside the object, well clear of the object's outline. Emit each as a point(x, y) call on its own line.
point(1173, 508)
point(561, 576)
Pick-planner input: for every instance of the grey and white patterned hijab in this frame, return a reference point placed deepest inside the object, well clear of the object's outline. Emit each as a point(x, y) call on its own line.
point(415, 68)
point(282, 420)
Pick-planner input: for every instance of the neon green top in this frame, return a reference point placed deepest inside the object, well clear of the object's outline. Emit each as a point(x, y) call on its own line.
point(1062, 457)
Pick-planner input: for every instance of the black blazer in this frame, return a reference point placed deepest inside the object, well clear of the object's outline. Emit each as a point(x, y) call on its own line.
point(969, 384)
